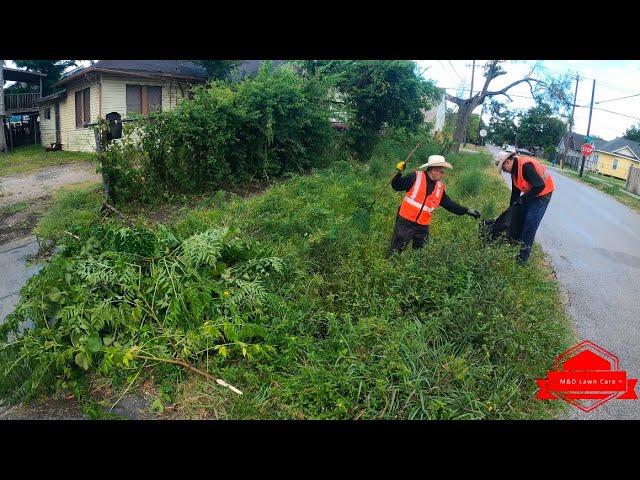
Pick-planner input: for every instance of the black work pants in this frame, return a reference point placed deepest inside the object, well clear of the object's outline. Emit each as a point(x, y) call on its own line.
point(406, 231)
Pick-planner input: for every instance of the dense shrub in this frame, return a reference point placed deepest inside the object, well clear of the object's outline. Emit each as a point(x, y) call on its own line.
point(259, 128)
point(379, 94)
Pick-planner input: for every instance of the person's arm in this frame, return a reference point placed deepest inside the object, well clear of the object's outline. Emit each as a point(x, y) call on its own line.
point(537, 183)
point(515, 192)
point(452, 206)
point(403, 184)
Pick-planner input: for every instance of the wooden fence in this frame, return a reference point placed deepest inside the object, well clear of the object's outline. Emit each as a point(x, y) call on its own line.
point(633, 180)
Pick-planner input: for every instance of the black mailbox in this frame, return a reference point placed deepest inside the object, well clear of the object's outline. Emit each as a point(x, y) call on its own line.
point(115, 125)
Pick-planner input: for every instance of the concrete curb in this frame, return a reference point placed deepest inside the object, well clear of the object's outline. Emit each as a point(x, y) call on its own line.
point(21, 242)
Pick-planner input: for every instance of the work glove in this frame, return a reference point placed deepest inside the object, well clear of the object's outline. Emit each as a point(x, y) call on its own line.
point(400, 166)
point(473, 213)
point(519, 201)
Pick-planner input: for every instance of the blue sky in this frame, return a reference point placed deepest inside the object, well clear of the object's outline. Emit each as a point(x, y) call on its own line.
point(614, 78)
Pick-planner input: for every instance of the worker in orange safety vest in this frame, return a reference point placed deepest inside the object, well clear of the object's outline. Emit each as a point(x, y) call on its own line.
point(533, 180)
point(425, 193)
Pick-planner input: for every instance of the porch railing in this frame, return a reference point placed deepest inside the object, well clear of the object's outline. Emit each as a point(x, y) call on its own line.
point(20, 101)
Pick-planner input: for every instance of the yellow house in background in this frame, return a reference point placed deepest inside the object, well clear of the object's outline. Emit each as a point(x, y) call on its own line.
point(616, 157)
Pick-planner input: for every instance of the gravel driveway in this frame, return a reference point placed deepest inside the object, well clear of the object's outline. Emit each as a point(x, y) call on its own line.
point(25, 187)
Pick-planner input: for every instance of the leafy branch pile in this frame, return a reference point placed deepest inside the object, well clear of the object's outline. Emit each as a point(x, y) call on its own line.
point(124, 296)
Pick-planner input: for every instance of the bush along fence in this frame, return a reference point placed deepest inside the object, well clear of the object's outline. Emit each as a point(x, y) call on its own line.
point(263, 127)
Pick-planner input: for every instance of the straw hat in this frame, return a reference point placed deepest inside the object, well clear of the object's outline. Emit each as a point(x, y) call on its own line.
point(435, 161)
point(501, 157)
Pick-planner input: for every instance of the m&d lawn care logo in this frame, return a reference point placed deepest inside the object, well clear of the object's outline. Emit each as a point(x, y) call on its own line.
point(587, 376)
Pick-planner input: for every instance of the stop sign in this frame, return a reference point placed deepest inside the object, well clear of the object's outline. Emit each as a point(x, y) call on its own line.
point(587, 149)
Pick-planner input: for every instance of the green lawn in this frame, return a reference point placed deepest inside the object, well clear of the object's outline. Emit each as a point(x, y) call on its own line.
point(33, 157)
point(609, 185)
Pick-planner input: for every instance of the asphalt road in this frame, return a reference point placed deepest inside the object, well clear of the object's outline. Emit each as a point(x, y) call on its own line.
point(593, 242)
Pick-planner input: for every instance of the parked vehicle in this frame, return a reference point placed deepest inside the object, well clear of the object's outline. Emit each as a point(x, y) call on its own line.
point(524, 151)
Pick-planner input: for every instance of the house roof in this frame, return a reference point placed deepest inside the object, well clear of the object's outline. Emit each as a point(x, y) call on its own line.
point(619, 143)
point(249, 68)
point(155, 68)
point(577, 140)
point(53, 96)
point(17, 75)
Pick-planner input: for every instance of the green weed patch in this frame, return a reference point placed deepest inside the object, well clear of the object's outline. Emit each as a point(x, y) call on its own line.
point(318, 322)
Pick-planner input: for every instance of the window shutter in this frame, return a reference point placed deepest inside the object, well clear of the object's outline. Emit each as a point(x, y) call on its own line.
point(154, 97)
point(87, 105)
point(134, 99)
point(79, 109)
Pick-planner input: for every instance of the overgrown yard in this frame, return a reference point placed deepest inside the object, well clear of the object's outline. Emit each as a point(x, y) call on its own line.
point(287, 298)
point(33, 157)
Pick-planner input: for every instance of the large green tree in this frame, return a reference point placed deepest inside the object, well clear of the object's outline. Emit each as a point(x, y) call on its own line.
point(52, 68)
point(502, 127)
point(539, 128)
point(376, 94)
point(633, 133)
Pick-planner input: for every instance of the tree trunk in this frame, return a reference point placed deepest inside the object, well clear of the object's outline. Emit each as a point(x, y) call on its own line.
point(464, 113)
point(3, 140)
point(461, 127)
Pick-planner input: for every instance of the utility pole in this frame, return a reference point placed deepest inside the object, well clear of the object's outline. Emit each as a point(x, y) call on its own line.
point(573, 110)
point(593, 90)
point(473, 71)
point(3, 140)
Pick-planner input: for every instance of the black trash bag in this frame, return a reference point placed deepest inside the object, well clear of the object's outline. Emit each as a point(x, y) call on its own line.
point(507, 225)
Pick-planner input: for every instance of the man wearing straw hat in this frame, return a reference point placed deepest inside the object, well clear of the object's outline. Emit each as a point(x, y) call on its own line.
point(532, 178)
point(425, 193)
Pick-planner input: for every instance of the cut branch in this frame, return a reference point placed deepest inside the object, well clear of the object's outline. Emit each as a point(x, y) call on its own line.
point(188, 366)
point(106, 206)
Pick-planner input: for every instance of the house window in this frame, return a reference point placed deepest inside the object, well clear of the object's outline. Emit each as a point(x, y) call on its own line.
point(143, 99)
point(83, 108)
point(614, 166)
point(47, 113)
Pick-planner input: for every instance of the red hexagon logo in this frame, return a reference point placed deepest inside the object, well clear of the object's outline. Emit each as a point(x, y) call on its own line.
point(587, 376)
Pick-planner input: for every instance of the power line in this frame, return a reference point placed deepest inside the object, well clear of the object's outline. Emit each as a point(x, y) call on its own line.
point(609, 111)
point(454, 71)
point(620, 98)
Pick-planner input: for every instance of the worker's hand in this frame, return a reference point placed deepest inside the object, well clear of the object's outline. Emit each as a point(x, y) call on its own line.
point(473, 213)
point(400, 166)
point(519, 201)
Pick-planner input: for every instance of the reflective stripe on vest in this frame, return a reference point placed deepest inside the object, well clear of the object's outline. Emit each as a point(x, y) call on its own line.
point(521, 183)
point(415, 207)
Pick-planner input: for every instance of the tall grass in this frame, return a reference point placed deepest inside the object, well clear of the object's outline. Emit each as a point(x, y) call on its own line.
point(454, 331)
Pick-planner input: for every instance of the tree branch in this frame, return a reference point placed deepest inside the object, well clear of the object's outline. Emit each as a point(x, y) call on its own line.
point(456, 100)
point(502, 92)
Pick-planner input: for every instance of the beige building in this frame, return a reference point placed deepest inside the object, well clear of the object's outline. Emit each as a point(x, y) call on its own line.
point(117, 87)
point(436, 115)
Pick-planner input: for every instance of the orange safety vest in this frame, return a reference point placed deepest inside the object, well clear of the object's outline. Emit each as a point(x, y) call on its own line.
point(524, 186)
point(416, 205)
